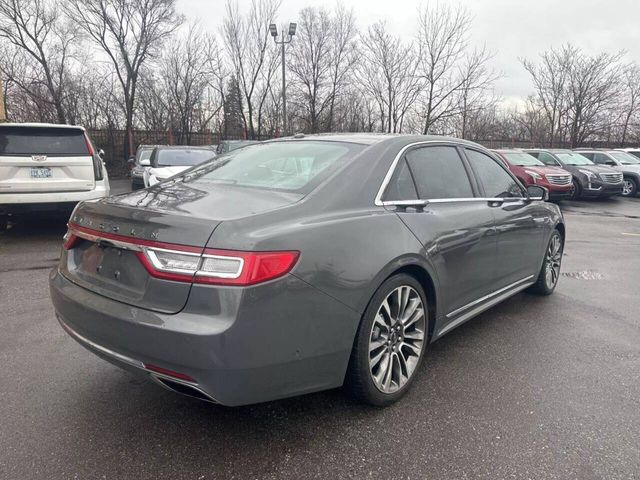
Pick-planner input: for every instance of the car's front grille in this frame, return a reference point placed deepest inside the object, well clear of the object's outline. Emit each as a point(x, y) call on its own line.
point(558, 179)
point(611, 177)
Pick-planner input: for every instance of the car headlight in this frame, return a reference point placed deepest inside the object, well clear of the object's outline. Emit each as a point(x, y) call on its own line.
point(534, 175)
point(590, 175)
point(137, 170)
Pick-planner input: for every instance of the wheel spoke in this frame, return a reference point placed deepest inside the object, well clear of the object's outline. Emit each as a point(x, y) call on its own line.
point(396, 338)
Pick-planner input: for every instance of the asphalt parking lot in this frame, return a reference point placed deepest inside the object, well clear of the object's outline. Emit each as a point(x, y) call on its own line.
point(534, 388)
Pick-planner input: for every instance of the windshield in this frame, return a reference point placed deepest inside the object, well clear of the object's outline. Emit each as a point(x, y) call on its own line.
point(570, 158)
point(522, 159)
point(176, 157)
point(289, 166)
point(625, 158)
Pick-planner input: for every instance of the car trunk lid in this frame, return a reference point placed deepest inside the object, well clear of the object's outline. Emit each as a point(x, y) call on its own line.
point(113, 232)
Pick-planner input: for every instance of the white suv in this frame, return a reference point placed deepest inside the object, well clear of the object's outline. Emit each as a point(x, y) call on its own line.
point(44, 167)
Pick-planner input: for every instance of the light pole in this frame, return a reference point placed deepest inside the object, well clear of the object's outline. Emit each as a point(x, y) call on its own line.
point(3, 112)
point(284, 39)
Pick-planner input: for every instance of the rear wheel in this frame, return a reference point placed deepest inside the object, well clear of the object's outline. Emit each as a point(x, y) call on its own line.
point(390, 342)
point(550, 271)
point(629, 188)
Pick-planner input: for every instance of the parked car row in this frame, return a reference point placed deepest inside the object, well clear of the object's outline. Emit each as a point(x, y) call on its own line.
point(578, 173)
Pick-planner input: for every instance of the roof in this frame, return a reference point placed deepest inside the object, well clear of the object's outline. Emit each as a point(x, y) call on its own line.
point(184, 147)
point(42, 125)
point(365, 138)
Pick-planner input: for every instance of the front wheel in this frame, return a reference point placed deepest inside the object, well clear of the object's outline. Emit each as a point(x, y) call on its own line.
point(575, 191)
point(390, 342)
point(550, 271)
point(629, 188)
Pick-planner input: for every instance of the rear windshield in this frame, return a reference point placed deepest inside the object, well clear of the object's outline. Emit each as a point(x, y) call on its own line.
point(288, 166)
point(183, 158)
point(573, 159)
point(42, 141)
point(522, 159)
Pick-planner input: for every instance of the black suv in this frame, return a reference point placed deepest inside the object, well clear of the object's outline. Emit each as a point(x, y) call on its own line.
point(623, 162)
point(589, 180)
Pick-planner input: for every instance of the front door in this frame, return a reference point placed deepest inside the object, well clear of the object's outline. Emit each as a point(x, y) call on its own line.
point(520, 224)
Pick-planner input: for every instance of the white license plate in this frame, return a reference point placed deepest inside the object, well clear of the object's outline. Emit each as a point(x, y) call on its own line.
point(40, 172)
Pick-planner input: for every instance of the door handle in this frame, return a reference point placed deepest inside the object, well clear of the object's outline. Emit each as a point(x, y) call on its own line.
point(495, 202)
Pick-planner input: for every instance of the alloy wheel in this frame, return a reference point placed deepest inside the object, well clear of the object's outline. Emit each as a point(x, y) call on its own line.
point(396, 339)
point(627, 188)
point(552, 261)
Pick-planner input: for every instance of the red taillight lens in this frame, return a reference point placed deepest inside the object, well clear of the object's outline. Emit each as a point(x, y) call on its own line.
point(69, 240)
point(217, 267)
point(168, 373)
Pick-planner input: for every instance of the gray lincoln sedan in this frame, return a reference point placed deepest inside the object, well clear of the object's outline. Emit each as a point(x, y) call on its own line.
point(303, 264)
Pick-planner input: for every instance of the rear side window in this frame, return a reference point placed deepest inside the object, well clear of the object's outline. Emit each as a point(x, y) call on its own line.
point(496, 181)
point(438, 172)
point(401, 186)
point(42, 141)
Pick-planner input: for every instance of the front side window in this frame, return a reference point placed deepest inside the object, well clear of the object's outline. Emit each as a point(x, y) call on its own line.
point(294, 166)
point(496, 181)
point(625, 158)
point(438, 173)
point(602, 159)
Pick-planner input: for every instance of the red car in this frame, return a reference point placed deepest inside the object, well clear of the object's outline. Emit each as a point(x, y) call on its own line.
point(531, 171)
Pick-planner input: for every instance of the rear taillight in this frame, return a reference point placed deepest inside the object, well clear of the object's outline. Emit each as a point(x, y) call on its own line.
point(181, 263)
point(217, 267)
point(69, 240)
point(97, 161)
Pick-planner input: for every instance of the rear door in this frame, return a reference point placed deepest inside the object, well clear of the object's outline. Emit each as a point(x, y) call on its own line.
point(45, 159)
point(456, 227)
point(520, 224)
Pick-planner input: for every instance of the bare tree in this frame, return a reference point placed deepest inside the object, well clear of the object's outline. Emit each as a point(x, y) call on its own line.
point(388, 74)
point(248, 46)
point(631, 100)
point(130, 34)
point(442, 42)
point(44, 43)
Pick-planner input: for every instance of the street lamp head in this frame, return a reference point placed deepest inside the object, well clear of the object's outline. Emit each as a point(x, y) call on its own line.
point(292, 29)
point(273, 30)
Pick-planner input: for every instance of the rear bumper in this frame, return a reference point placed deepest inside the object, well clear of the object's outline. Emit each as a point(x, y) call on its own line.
point(241, 346)
point(10, 202)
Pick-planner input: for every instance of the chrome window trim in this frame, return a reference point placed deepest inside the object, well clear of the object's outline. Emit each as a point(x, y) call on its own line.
point(392, 168)
point(421, 202)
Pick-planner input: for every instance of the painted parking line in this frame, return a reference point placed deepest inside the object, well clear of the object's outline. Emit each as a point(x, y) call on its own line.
point(631, 234)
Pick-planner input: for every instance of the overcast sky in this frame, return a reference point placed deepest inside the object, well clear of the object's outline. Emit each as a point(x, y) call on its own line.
point(510, 28)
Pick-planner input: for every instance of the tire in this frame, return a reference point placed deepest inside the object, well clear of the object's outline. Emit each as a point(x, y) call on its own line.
point(4, 222)
point(577, 191)
point(550, 271)
point(630, 188)
point(399, 302)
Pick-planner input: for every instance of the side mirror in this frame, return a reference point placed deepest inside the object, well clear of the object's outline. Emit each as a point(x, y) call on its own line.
point(610, 163)
point(101, 154)
point(145, 162)
point(132, 160)
point(536, 192)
